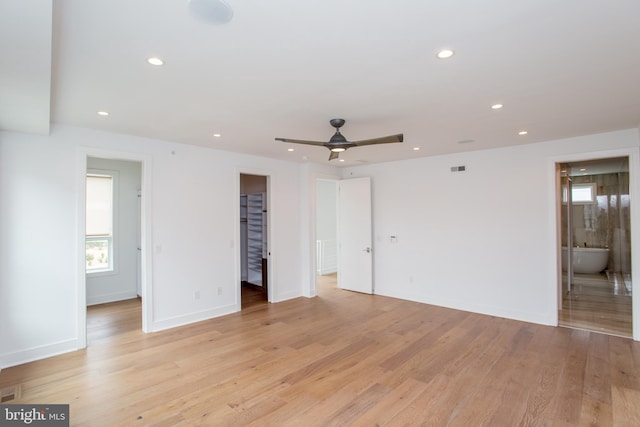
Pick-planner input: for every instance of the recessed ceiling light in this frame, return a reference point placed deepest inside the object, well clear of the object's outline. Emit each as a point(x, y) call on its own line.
point(216, 135)
point(338, 149)
point(155, 61)
point(103, 113)
point(445, 54)
point(341, 160)
point(290, 149)
point(496, 106)
point(416, 148)
point(523, 132)
point(582, 169)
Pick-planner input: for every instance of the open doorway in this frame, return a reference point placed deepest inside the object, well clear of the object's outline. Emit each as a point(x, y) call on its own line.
point(326, 234)
point(343, 234)
point(113, 246)
point(595, 236)
point(254, 247)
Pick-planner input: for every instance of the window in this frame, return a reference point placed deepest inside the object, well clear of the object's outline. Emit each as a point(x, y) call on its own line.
point(99, 222)
point(581, 194)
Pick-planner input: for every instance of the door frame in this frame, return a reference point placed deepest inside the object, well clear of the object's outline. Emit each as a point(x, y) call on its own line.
point(146, 231)
point(634, 206)
point(271, 256)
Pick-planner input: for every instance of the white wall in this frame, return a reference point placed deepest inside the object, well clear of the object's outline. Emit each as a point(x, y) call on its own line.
point(327, 226)
point(194, 232)
point(481, 240)
point(38, 296)
point(326, 202)
point(122, 282)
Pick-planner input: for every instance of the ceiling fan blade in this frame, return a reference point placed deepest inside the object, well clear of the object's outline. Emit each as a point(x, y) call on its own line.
point(382, 140)
point(334, 155)
point(301, 141)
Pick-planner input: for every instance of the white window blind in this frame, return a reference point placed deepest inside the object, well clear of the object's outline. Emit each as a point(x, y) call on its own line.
point(99, 205)
point(99, 223)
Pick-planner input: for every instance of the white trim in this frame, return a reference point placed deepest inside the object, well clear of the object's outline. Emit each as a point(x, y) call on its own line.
point(473, 307)
point(190, 318)
point(81, 276)
point(40, 352)
point(634, 206)
point(106, 298)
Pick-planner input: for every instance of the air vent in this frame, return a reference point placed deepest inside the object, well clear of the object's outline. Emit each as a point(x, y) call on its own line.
point(458, 168)
point(10, 393)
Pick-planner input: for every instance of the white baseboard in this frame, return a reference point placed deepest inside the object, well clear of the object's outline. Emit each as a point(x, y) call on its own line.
point(173, 322)
point(36, 353)
point(103, 299)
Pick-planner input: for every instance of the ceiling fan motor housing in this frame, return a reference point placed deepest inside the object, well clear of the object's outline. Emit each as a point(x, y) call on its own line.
point(337, 123)
point(338, 140)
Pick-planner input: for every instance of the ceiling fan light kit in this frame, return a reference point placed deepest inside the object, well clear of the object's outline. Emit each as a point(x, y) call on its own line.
point(338, 143)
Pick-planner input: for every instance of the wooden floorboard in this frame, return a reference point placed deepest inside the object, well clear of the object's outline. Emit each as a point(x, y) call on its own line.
point(598, 302)
point(342, 358)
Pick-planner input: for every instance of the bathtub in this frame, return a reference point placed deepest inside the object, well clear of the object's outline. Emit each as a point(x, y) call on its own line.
point(587, 260)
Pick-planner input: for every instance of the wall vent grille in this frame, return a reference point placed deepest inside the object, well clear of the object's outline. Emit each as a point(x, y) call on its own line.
point(10, 393)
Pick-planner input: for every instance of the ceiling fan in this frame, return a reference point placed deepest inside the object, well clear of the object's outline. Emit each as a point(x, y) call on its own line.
point(338, 143)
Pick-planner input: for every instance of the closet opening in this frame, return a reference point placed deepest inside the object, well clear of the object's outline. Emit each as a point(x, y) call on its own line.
point(254, 248)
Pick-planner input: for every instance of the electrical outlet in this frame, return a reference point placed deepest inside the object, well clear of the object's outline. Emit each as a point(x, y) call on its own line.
point(219, 290)
point(196, 295)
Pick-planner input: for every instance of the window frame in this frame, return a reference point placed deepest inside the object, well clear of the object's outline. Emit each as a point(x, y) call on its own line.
point(594, 193)
point(112, 239)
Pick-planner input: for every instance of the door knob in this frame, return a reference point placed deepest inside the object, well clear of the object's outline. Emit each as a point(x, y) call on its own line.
point(367, 250)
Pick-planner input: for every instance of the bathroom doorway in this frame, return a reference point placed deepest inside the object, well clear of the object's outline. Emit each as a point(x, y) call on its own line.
point(595, 236)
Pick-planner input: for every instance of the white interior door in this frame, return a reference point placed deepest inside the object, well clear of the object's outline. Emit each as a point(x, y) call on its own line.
point(354, 235)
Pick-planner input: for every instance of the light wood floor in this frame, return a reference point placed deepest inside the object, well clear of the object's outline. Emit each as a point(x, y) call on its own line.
point(252, 296)
point(339, 359)
point(598, 302)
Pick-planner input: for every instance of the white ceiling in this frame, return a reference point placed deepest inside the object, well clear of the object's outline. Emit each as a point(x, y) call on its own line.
point(283, 68)
point(25, 65)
